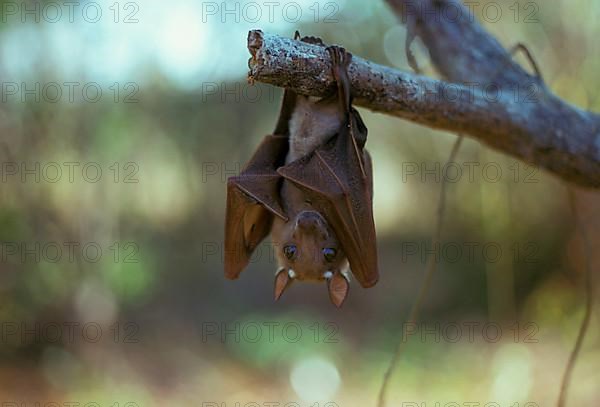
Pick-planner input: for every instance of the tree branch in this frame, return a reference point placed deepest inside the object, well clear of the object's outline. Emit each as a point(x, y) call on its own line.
point(526, 122)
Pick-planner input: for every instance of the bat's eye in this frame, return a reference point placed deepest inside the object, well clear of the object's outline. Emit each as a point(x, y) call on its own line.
point(290, 251)
point(329, 253)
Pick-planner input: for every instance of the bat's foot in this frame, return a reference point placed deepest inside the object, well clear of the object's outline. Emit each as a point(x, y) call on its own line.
point(309, 39)
point(340, 58)
point(313, 40)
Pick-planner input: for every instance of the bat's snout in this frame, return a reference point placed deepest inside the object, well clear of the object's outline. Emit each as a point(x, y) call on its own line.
point(309, 221)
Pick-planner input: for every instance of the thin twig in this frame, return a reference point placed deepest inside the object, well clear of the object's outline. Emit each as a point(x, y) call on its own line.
point(523, 48)
point(430, 270)
point(566, 379)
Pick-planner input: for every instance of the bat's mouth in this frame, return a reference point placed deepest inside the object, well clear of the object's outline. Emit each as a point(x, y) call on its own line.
point(314, 278)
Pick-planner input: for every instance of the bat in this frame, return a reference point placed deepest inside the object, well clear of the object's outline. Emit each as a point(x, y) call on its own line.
point(310, 186)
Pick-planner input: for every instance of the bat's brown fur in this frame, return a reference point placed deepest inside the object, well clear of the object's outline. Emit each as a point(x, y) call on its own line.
point(313, 122)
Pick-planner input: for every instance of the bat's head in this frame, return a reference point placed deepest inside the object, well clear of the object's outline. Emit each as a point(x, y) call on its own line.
point(308, 250)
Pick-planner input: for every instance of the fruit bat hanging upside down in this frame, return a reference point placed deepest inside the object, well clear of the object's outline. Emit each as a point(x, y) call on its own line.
point(310, 185)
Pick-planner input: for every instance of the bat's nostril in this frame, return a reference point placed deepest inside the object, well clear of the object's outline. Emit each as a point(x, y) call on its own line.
point(307, 222)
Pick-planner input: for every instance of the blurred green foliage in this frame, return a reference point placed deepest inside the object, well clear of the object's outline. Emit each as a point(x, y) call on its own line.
point(157, 210)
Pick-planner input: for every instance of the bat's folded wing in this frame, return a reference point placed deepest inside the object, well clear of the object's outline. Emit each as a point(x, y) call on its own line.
point(252, 201)
point(337, 178)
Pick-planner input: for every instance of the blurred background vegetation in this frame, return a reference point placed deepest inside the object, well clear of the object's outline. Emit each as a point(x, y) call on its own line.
point(175, 118)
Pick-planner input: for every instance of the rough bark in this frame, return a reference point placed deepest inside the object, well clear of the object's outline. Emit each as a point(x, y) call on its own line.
point(511, 112)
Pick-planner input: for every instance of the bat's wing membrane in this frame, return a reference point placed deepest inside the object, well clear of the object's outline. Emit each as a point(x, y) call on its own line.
point(252, 201)
point(253, 196)
point(337, 178)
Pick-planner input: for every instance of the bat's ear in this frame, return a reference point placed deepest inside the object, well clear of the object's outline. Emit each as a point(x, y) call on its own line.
point(338, 287)
point(282, 282)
